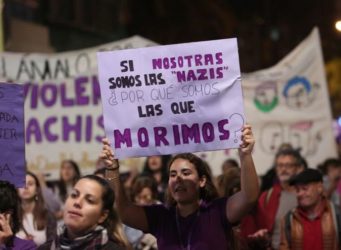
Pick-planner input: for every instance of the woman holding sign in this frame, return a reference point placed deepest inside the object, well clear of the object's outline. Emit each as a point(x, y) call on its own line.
point(193, 220)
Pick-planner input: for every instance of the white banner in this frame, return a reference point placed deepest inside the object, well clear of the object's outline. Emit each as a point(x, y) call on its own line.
point(288, 103)
point(172, 99)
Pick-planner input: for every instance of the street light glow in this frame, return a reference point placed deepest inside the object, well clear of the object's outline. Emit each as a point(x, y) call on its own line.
point(338, 25)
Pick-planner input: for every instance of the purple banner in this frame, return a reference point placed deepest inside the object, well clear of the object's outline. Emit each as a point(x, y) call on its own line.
point(12, 143)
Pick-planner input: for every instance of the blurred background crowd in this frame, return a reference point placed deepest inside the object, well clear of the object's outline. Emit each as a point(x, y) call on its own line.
point(266, 30)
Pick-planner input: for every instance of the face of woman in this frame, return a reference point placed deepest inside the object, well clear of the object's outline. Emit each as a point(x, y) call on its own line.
point(83, 208)
point(30, 189)
point(184, 182)
point(67, 172)
point(155, 163)
point(145, 197)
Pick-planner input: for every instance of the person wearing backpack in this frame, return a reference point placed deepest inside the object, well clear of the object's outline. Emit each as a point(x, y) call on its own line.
point(315, 222)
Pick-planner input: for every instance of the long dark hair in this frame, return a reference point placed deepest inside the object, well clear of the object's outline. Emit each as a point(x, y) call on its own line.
point(329, 162)
point(112, 223)
point(10, 203)
point(62, 184)
point(228, 183)
point(164, 171)
point(207, 193)
point(40, 212)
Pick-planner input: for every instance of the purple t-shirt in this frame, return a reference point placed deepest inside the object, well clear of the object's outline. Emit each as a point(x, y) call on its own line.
point(20, 244)
point(205, 229)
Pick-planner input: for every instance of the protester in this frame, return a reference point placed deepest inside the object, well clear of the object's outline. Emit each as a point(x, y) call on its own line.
point(229, 163)
point(69, 175)
point(37, 223)
point(193, 219)
point(10, 219)
point(144, 192)
point(274, 203)
point(156, 168)
point(228, 183)
point(89, 218)
point(119, 231)
point(52, 202)
point(331, 180)
point(314, 223)
point(270, 177)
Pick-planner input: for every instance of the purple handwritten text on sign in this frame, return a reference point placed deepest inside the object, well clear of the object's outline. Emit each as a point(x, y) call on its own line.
point(12, 143)
point(172, 99)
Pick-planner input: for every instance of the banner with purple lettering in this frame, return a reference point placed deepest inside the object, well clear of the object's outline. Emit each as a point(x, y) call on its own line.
point(63, 113)
point(12, 140)
point(172, 99)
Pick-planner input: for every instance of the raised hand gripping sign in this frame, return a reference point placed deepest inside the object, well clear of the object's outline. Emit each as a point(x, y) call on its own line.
point(12, 140)
point(172, 99)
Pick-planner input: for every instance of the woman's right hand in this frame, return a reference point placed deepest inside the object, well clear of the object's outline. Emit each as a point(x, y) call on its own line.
point(41, 178)
point(107, 155)
point(5, 229)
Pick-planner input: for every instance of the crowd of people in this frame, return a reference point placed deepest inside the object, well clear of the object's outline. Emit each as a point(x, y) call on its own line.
point(175, 204)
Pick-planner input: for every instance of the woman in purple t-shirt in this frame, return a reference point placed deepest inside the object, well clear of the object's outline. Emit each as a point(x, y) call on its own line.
point(193, 219)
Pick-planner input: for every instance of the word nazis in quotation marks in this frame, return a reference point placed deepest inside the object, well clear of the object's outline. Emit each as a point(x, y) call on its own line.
point(181, 66)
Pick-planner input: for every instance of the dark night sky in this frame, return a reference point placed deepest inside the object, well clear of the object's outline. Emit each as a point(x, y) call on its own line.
point(267, 30)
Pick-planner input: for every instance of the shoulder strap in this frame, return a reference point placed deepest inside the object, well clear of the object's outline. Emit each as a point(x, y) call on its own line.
point(287, 227)
point(268, 195)
point(337, 220)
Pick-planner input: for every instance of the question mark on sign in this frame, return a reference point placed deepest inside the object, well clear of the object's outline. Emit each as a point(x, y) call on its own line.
point(112, 99)
point(238, 122)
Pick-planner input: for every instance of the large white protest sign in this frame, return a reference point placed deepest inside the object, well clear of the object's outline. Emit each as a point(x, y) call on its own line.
point(288, 103)
point(63, 113)
point(171, 99)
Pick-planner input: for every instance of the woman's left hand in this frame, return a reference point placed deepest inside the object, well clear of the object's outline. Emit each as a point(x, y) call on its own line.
point(248, 141)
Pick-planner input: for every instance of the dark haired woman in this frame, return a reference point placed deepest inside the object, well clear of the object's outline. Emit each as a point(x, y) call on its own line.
point(69, 175)
point(143, 192)
point(90, 221)
point(37, 223)
point(10, 219)
point(194, 219)
point(156, 167)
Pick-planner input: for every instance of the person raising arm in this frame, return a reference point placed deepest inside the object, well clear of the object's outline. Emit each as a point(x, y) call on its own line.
point(194, 217)
point(124, 207)
point(241, 202)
